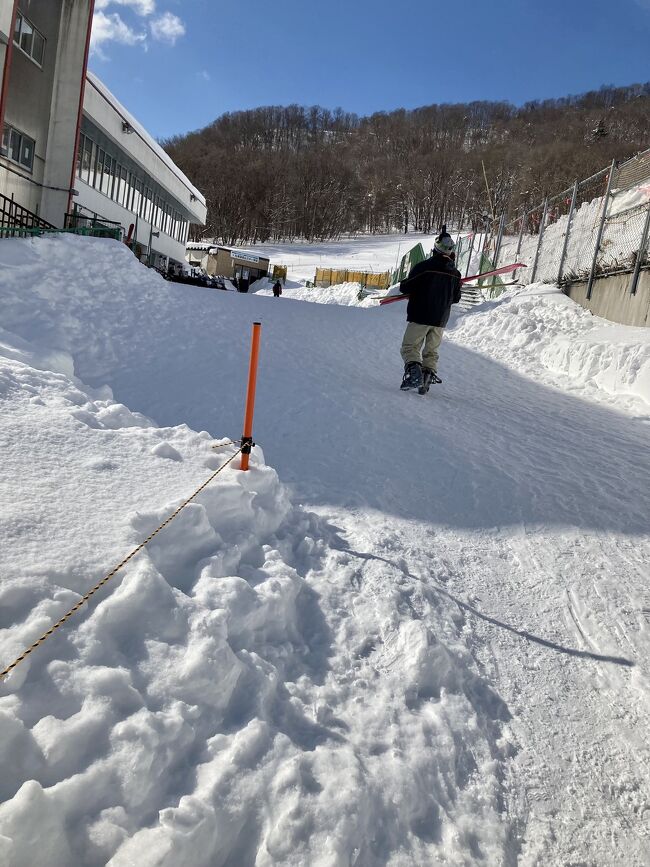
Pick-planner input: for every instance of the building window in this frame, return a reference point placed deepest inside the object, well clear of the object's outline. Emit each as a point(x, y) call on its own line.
point(87, 160)
point(147, 202)
point(120, 198)
point(137, 195)
point(99, 169)
point(29, 39)
point(17, 147)
point(107, 177)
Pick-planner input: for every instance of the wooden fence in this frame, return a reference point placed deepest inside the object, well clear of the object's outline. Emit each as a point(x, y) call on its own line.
point(332, 277)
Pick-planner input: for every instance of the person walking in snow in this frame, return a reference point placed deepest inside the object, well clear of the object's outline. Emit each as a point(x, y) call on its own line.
point(432, 286)
point(277, 289)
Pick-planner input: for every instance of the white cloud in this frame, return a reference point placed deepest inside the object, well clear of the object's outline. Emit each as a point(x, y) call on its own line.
point(167, 28)
point(140, 7)
point(204, 74)
point(111, 28)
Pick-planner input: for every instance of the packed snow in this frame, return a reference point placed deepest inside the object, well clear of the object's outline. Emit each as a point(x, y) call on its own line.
point(418, 635)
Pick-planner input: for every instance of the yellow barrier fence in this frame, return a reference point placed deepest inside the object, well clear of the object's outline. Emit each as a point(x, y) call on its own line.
point(333, 276)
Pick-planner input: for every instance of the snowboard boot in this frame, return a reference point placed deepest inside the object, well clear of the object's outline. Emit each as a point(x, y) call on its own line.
point(428, 377)
point(412, 376)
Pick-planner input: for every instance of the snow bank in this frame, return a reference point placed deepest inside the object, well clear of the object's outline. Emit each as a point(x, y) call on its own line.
point(345, 294)
point(625, 200)
point(540, 325)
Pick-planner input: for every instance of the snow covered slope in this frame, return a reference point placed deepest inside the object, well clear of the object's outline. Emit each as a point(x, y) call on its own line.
point(431, 647)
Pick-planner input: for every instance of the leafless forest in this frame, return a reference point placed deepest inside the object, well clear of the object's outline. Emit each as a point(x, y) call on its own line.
point(287, 172)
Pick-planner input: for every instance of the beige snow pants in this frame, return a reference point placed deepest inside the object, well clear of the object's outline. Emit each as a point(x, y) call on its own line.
point(412, 349)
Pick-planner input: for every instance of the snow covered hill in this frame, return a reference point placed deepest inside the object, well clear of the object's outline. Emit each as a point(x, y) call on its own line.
point(422, 637)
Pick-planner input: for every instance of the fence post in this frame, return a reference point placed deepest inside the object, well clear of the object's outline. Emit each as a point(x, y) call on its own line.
point(565, 247)
point(521, 238)
point(247, 436)
point(542, 226)
point(641, 254)
point(469, 255)
point(490, 223)
point(601, 229)
point(521, 234)
point(497, 248)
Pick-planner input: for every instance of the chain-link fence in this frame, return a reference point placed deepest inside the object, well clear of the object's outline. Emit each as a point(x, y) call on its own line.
point(472, 255)
point(625, 243)
point(597, 226)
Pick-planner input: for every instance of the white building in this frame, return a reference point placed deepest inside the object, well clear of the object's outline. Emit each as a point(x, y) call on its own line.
point(43, 56)
point(124, 176)
point(70, 153)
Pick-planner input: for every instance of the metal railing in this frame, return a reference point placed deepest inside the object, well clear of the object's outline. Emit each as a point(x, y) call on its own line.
point(17, 221)
point(94, 225)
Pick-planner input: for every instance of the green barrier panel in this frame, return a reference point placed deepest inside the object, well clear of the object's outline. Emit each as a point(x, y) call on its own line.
point(414, 255)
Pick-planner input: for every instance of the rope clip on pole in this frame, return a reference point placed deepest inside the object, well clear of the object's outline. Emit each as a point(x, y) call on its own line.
point(247, 445)
point(247, 436)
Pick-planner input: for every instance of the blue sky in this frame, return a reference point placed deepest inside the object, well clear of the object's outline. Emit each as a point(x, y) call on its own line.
point(179, 64)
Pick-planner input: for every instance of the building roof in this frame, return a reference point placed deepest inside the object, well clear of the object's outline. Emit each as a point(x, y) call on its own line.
point(144, 135)
point(213, 248)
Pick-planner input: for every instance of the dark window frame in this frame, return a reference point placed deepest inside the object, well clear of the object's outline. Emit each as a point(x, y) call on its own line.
point(16, 140)
point(18, 29)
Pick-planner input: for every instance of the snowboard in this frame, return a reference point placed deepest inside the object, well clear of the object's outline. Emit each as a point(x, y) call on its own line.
point(394, 293)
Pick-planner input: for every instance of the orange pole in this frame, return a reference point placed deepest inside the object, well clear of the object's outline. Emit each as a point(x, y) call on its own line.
point(247, 436)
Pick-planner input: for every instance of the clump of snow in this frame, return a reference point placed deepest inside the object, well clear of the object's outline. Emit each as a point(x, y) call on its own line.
point(625, 200)
point(540, 326)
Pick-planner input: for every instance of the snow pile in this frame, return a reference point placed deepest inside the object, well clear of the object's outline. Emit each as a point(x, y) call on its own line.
point(625, 200)
point(253, 688)
point(539, 324)
point(345, 294)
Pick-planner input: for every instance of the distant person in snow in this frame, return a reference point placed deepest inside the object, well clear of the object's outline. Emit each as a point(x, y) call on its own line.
point(433, 286)
point(277, 289)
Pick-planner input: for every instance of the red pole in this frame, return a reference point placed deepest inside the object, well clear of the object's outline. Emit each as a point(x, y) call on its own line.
point(7, 68)
point(247, 436)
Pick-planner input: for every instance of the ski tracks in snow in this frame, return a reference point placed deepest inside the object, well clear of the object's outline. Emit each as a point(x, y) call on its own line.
point(425, 726)
point(451, 665)
point(560, 687)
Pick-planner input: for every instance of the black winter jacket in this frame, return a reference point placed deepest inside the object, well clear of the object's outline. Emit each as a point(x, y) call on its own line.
point(434, 285)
